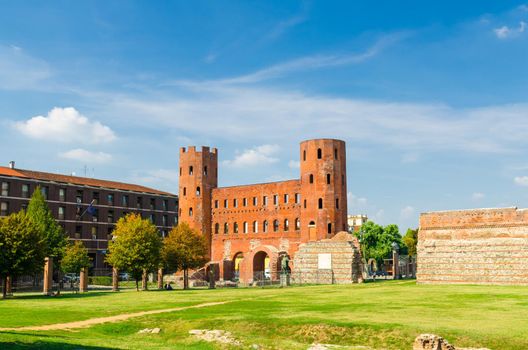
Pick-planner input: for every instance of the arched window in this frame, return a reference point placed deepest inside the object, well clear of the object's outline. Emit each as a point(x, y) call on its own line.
point(320, 203)
point(226, 228)
point(245, 227)
point(217, 228)
point(337, 203)
point(304, 155)
point(190, 170)
point(286, 225)
point(255, 226)
point(265, 226)
point(190, 212)
point(235, 227)
point(311, 178)
point(335, 153)
point(297, 224)
point(297, 198)
point(312, 223)
point(275, 225)
point(319, 153)
point(328, 179)
point(185, 191)
point(329, 228)
point(198, 191)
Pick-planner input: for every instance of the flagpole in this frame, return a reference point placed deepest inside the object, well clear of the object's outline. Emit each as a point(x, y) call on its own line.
point(84, 212)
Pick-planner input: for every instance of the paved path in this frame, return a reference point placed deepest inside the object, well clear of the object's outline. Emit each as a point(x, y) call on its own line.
point(99, 320)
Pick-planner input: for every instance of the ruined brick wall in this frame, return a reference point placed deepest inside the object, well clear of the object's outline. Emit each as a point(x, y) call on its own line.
point(345, 260)
point(483, 246)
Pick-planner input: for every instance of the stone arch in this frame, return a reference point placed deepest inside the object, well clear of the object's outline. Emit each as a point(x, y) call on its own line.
point(248, 263)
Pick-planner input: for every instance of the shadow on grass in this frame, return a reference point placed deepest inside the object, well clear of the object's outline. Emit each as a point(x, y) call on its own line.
point(63, 295)
point(48, 346)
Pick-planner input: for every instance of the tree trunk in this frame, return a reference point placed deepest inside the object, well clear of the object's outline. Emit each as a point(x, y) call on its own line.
point(160, 278)
point(9, 286)
point(185, 279)
point(115, 280)
point(137, 285)
point(4, 292)
point(144, 281)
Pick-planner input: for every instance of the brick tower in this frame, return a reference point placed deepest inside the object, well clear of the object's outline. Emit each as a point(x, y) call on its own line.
point(198, 176)
point(323, 188)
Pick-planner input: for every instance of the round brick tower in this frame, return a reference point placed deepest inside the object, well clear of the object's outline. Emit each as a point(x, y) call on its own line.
point(198, 176)
point(323, 188)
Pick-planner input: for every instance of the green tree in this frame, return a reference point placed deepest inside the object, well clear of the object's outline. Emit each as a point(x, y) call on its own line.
point(184, 249)
point(39, 212)
point(136, 246)
point(75, 258)
point(376, 241)
point(22, 246)
point(411, 240)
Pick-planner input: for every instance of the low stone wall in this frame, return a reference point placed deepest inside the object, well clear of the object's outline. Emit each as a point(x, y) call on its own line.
point(341, 265)
point(481, 246)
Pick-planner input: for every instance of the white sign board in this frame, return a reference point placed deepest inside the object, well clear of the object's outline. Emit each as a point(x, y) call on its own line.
point(324, 261)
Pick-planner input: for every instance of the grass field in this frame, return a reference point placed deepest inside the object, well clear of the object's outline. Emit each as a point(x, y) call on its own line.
point(383, 315)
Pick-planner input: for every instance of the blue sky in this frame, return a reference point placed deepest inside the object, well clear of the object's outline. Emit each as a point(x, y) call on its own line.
point(432, 99)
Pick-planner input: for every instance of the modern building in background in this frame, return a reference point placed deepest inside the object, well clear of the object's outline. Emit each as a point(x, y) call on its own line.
point(70, 197)
point(356, 221)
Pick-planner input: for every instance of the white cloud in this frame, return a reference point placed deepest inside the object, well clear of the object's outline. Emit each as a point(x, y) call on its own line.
point(285, 25)
point(66, 125)
point(20, 71)
point(260, 155)
point(294, 164)
point(521, 180)
point(506, 32)
point(83, 155)
point(407, 212)
point(478, 196)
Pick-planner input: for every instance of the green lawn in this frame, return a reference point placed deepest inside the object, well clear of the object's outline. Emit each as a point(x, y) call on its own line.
point(383, 315)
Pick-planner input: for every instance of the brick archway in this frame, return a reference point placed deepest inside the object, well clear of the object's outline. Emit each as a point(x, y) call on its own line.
point(246, 266)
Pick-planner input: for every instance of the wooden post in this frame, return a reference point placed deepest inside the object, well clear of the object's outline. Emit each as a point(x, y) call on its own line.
point(83, 281)
point(48, 276)
point(115, 280)
point(9, 286)
point(144, 280)
point(160, 278)
point(395, 265)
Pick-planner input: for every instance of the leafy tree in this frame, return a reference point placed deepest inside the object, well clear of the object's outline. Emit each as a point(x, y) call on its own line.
point(75, 258)
point(39, 212)
point(184, 249)
point(136, 246)
point(22, 246)
point(411, 240)
point(376, 241)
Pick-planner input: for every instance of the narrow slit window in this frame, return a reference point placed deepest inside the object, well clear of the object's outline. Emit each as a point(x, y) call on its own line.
point(320, 203)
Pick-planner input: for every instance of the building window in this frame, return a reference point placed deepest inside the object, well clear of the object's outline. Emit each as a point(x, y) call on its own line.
point(275, 199)
point(152, 218)
point(244, 202)
point(297, 224)
point(180, 171)
point(286, 225)
point(255, 201)
point(275, 225)
point(78, 231)
point(235, 227)
point(265, 200)
point(139, 202)
point(245, 227)
point(125, 200)
point(153, 204)
point(320, 203)
point(319, 153)
point(110, 218)
point(286, 197)
point(165, 204)
point(328, 179)
point(79, 197)
point(95, 198)
point(205, 171)
point(62, 194)
point(24, 206)
point(329, 228)
point(216, 204)
point(335, 153)
point(235, 203)
point(304, 155)
point(337, 203)
point(62, 211)
point(190, 212)
point(297, 198)
point(164, 220)
point(217, 228)
point(305, 204)
point(190, 170)
point(110, 199)
point(255, 226)
point(95, 216)
point(226, 203)
point(45, 191)
point(5, 189)
point(226, 228)
point(311, 178)
point(25, 191)
point(265, 226)
point(198, 191)
point(109, 233)
point(4, 209)
point(94, 232)
point(185, 191)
